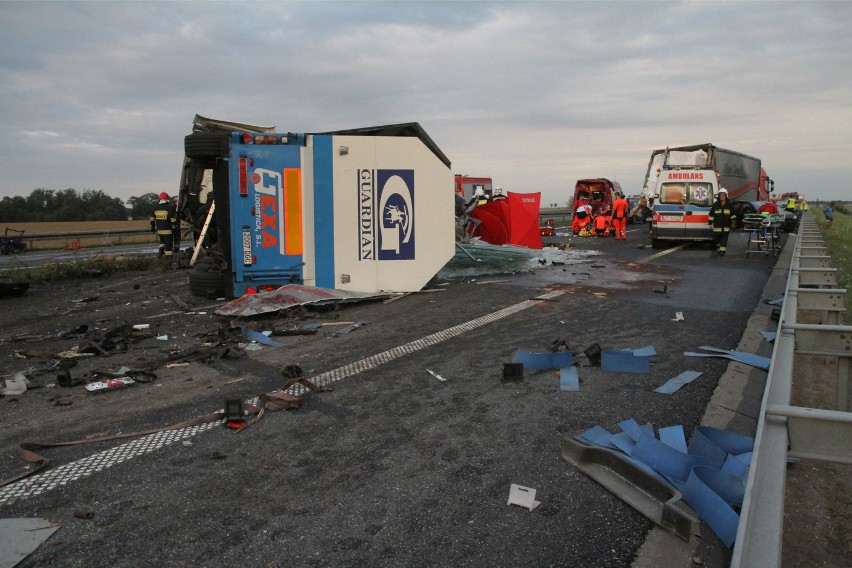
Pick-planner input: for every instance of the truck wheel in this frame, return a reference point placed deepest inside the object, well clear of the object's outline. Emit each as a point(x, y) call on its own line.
point(205, 145)
point(209, 284)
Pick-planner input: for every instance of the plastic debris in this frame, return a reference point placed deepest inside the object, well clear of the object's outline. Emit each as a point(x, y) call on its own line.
point(674, 384)
point(569, 380)
point(111, 384)
point(625, 362)
point(16, 386)
point(523, 496)
point(678, 316)
point(436, 375)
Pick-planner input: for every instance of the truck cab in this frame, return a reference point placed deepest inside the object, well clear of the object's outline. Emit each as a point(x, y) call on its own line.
point(682, 206)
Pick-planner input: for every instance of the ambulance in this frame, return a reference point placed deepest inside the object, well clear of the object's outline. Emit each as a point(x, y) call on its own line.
point(683, 182)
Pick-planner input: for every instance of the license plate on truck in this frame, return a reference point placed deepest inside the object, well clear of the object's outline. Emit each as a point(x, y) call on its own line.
point(247, 247)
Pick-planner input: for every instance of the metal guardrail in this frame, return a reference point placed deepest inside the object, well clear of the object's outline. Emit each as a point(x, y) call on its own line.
point(784, 430)
point(82, 234)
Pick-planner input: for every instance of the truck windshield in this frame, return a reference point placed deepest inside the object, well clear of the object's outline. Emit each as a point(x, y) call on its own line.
point(699, 194)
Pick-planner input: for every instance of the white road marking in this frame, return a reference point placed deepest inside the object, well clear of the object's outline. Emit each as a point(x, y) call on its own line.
point(88, 466)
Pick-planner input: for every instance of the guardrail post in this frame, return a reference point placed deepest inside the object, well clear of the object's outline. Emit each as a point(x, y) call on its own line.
point(815, 433)
point(815, 261)
point(817, 276)
point(831, 302)
point(830, 341)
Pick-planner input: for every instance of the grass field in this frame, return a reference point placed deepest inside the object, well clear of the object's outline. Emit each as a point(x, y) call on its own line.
point(106, 228)
point(838, 239)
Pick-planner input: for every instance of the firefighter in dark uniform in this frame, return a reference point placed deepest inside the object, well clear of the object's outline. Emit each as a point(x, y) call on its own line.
point(721, 219)
point(163, 223)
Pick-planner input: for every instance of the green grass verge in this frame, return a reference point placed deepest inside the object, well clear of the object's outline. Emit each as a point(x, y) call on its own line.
point(81, 269)
point(838, 240)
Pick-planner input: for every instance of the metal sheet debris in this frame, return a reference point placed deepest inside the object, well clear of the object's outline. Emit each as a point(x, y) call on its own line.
point(290, 296)
point(21, 537)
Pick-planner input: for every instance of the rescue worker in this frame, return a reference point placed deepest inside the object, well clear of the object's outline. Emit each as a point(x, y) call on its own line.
point(163, 223)
point(603, 224)
point(791, 205)
point(769, 208)
point(479, 198)
point(582, 217)
point(803, 205)
point(721, 218)
point(498, 194)
point(619, 217)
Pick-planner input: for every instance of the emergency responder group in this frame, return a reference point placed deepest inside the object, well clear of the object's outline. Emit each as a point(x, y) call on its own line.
point(165, 224)
point(606, 223)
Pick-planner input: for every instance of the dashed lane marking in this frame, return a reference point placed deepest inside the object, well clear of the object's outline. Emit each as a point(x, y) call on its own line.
point(88, 466)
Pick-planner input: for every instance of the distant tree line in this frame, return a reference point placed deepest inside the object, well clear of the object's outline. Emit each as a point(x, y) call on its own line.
point(48, 205)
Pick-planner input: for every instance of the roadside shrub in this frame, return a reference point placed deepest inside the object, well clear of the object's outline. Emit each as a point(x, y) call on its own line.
point(83, 269)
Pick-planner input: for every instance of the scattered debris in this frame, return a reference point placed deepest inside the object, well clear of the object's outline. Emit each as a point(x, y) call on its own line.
point(625, 362)
point(260, 337)
point(542, 361)
point(16, 386)
point(21, 537)
point(593, 354)
point(111, 384)
point(290, 296)
point(678, 316)
point(746, 358)
point(436, 375)
point(675, 383)
point(769, 335)
point(87, 515)
point(513, 371)
point(569, 380)
point(523, 496)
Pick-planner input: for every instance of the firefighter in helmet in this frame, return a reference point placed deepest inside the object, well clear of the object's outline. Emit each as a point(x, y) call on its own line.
point(721, 219)
point(163, 224)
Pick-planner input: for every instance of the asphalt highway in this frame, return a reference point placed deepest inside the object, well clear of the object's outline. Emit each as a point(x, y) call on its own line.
point(392, 466)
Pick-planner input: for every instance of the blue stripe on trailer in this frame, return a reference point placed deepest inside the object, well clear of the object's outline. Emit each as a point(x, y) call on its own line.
point(323, 212)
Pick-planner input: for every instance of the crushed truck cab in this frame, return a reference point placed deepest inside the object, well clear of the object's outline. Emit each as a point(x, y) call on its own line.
point(365, 210)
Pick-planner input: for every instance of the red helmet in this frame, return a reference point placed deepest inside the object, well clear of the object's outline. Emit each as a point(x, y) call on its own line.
point(163, 195)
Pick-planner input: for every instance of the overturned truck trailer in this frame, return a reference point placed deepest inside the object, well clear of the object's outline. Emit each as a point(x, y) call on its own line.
point(365, 210)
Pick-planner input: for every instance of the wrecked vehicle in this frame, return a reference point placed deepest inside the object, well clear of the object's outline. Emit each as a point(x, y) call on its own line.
point(339, 209)
point(598, 192)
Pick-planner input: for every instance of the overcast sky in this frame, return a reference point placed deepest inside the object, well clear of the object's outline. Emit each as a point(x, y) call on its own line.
point(99, 95)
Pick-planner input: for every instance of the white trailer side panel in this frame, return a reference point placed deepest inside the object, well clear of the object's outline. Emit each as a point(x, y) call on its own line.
point(393, 213)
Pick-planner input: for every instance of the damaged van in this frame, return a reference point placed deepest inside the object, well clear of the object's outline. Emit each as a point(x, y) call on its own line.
point(597, 192)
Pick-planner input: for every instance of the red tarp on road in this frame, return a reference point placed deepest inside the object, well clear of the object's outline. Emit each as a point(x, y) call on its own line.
point(513, 220)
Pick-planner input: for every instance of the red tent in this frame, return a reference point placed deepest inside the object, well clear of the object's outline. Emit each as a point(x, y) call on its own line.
point(513, 220)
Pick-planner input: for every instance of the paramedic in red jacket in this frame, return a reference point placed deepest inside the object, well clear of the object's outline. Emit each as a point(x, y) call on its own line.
point(620, 210)
point(603, 224)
